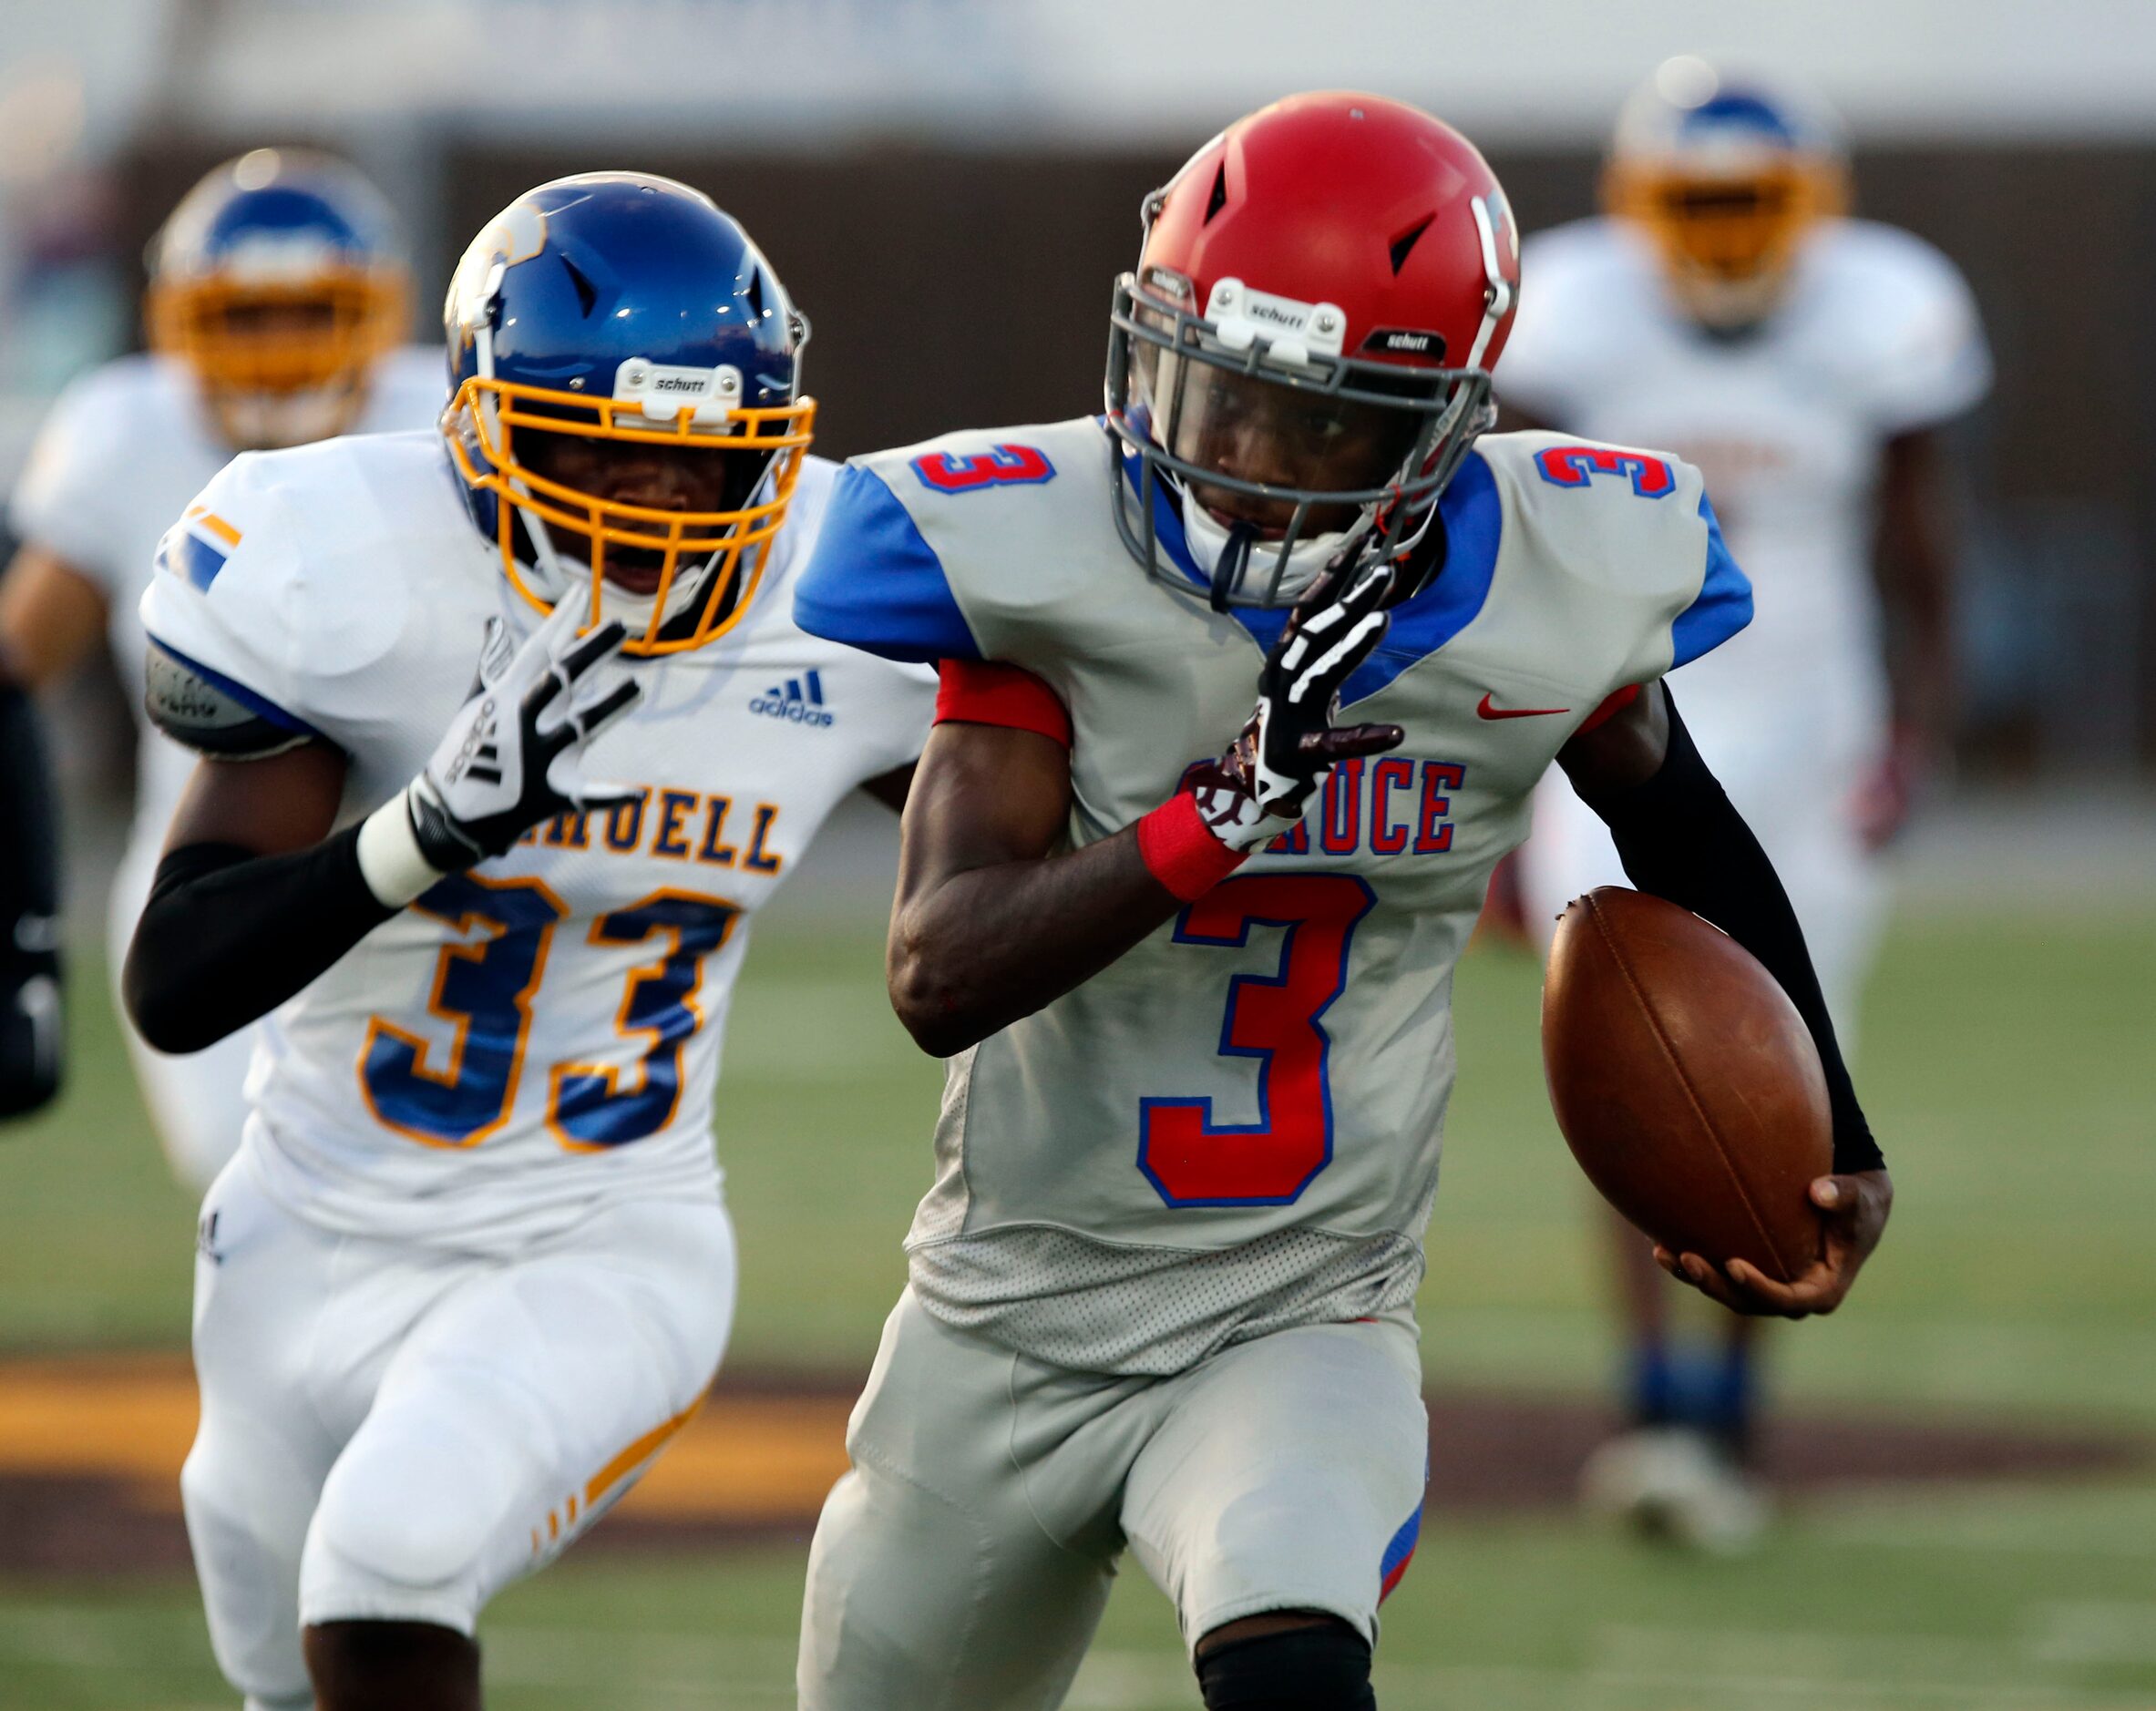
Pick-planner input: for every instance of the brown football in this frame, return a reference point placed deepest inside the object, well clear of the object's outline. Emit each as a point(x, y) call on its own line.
point(1685, 1081)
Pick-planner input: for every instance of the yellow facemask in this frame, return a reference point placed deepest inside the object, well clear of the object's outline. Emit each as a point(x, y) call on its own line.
point(280, 363)
point(1727, 241)
point(709, 562)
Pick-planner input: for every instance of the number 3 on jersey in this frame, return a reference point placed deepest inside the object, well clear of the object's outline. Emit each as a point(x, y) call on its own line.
point(590, 1107)
point(483, 989)
point(1275, 1018)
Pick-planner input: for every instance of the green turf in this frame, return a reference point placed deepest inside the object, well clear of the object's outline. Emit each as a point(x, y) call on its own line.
point(2007, 1069)
point(2046, 1601)
point(2010, 1073)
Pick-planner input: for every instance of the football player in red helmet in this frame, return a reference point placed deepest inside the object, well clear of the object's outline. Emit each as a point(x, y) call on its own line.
point(1322, 411)
point(1187, 935)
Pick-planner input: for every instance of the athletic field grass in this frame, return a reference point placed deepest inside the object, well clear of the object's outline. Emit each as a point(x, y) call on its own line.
point(2010, 1069)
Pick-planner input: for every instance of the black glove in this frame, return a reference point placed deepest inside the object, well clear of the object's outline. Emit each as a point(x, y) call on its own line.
point(510, 758)
point(1290, 743)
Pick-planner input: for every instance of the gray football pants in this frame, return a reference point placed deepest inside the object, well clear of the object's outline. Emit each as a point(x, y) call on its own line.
point(962, 1565)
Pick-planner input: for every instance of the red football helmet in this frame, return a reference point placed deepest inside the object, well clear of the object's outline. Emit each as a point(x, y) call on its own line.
point(1303, 354)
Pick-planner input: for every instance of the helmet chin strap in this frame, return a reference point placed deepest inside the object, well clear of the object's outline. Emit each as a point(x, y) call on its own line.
point(1233, 561)
point(1225, 552)
point(690, 582)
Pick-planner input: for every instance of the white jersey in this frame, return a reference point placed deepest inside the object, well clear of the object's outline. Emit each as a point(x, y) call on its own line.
point(541, 1034)
point(123, 449)
point(1878, 335)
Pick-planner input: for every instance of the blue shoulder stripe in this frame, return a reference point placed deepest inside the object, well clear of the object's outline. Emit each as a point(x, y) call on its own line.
point(192, 556)
point(873, 583)
point(1723, 605)
point(1472, 519)
point(261, 706)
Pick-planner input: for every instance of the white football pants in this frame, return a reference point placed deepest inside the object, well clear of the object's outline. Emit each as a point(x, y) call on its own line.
point(964, 1561)
point(392, 1433)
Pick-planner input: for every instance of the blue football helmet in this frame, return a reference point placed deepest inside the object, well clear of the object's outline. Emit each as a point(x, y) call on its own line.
point(280, 280)
point(618, 307)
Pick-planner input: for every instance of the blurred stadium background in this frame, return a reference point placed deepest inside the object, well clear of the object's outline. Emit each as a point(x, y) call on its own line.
point(949, 186)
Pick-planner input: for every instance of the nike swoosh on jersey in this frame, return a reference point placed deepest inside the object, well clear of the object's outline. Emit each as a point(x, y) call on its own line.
point(1483, 710)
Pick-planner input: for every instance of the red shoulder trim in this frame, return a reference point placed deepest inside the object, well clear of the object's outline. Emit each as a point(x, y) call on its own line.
point(985, 693)
point(1610, 708)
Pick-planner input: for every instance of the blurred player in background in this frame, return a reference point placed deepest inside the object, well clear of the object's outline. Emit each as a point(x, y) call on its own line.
point(1726, 309)
point(278, 296)
point(1192, 961)
point(472, 1269)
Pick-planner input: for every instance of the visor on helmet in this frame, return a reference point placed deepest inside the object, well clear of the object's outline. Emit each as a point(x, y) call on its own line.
point(1274, 435)
point(1283, 456)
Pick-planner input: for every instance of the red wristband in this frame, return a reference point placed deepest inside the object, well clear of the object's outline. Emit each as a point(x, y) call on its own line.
point(1180, 851)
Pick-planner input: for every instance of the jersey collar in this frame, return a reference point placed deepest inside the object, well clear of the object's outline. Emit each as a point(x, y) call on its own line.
point(1472, 519)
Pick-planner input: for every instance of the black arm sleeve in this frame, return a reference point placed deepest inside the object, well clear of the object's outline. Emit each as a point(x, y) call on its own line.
point(227, 935)
point(29, 912)
point(1681, 838)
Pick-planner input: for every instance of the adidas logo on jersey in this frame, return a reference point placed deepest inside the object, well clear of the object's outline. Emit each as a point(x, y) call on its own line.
point(799, 700)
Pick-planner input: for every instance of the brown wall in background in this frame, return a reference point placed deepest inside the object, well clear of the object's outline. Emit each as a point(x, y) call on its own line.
point(954, 289)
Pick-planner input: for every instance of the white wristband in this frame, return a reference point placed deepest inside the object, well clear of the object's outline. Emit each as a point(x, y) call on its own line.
point(389, 857)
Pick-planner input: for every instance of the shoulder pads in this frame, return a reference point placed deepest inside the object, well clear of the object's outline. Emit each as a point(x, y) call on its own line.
point(210, 717)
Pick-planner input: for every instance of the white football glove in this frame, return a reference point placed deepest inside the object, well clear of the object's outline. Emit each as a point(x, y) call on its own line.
point(512, 756)
point(1266, 776)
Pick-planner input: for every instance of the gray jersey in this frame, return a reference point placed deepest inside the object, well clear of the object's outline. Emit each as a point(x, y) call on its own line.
point(1235, 1127)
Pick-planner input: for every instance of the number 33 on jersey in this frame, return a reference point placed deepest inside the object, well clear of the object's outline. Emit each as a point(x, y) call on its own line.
point(544, 1029)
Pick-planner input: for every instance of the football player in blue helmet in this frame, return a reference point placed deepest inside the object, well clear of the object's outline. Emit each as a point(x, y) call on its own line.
point(281, 280)
point(1726, 306)
point(500, 922)
point(630, 439)
point(1726, 175)
point(276, 301)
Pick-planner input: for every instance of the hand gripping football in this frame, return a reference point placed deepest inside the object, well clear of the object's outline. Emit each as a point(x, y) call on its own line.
point(1685, 1083)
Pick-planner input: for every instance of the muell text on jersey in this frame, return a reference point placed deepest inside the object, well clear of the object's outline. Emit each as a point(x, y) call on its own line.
point(683, 825)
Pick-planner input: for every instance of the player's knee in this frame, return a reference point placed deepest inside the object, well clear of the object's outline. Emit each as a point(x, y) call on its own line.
point(215, 1505)
point(245, 1572)
point(1321, 1663)
point(399, 1523)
